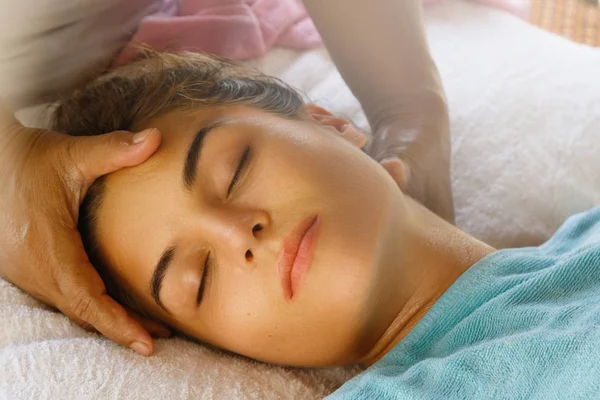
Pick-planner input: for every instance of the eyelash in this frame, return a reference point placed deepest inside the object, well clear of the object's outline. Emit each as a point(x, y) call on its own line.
point(204, 278)
point(207, 262)
point(241, 165)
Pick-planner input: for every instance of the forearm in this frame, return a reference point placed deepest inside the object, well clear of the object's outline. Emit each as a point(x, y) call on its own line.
point(7, 119)
point(381, 51)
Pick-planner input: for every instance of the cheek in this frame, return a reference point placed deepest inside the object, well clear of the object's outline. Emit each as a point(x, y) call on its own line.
point(342, 282)
point(242, 316)
point(360, 203)
point(357, 197)
point(332, 312)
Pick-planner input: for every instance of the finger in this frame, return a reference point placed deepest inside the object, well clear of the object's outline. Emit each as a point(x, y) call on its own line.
point(398, 171)
point(83, 324)
point(95, 156)
point(78, 321)
point(85, 301)
point(155, 328)
point(110, 319)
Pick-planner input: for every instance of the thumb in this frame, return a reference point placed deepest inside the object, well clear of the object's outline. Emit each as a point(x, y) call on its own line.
point(84, 300)
point(95, 156)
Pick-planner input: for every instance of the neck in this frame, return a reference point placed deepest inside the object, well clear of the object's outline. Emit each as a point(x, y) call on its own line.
point(433, 259)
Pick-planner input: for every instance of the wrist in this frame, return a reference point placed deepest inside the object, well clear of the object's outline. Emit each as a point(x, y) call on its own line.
point(412, 131)
point(9, 125)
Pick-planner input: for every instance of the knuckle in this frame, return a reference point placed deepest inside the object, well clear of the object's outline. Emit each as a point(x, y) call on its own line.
point(83, 307)
point(116, 138)
point(73, 170)
point(88, 327)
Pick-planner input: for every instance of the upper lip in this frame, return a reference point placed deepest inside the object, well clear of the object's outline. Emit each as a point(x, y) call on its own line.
point(289, 250)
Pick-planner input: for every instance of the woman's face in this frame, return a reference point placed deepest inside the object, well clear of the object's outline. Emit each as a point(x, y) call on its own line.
point(239, 187)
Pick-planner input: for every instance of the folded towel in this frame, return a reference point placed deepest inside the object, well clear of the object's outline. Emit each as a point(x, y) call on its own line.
point(243, 29)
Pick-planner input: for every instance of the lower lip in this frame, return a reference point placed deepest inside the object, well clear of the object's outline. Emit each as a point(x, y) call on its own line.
point(304, 256)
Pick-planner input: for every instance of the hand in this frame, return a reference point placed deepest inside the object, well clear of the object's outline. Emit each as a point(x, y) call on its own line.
point(418, 158)
point(45, 176)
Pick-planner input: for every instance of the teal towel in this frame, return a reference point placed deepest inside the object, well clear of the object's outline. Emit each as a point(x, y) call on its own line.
point(519, 324)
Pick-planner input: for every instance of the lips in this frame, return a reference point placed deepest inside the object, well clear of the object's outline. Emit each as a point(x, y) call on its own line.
point(296, 254)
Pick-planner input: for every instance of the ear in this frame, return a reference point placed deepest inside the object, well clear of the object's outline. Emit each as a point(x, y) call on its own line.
point(397, 170)
point(343, 127)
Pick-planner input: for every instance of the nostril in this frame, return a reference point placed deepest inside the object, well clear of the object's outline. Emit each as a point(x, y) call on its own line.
point(249, 255)
point(256, 228)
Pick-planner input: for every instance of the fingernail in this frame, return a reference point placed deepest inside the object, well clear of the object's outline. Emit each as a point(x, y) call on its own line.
point(141, 136)
point(141, 348)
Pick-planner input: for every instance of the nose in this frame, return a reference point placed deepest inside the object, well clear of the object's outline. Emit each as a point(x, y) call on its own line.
point(237, 234)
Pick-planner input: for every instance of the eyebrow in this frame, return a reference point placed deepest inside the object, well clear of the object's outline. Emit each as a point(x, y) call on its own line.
point(159, 274)
point(188, 177)
point(193, 154)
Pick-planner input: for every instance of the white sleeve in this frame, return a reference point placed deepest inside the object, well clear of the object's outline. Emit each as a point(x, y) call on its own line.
point(46, 45)
point(381, 51)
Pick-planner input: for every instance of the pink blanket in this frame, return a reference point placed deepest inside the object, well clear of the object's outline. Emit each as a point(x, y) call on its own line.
point(242, 29)
point(238, 29)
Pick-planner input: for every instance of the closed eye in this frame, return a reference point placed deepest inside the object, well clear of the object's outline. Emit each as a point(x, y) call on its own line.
point(240, 167)
point(203, 281)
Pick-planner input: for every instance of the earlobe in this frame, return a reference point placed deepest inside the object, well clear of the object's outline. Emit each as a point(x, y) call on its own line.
point(343, 127)
point(398, 171)
point(354, 135)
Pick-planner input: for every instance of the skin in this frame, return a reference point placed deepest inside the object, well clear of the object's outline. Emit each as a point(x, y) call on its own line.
point(399, 90)
point(45, 176)
point(380, 263)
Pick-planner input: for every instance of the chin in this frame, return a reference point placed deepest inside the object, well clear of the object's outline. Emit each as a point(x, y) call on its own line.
point(335, 308)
